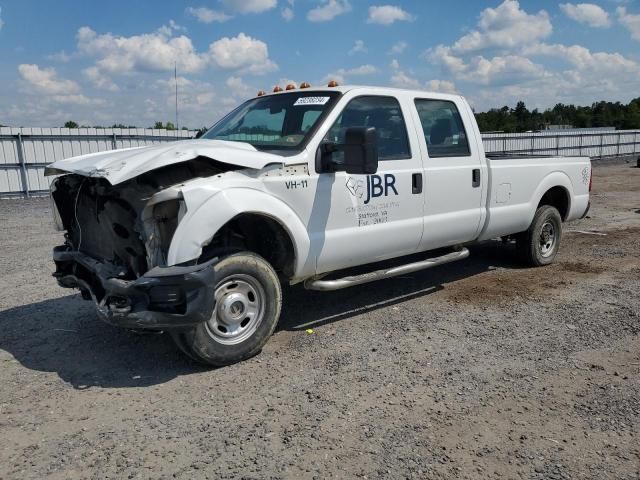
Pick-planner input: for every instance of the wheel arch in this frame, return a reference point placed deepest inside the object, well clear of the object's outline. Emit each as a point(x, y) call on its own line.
point(200, 225)
point(554, 190)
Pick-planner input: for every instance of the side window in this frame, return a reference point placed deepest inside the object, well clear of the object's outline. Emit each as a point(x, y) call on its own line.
point(443, 128)
point(385, 115)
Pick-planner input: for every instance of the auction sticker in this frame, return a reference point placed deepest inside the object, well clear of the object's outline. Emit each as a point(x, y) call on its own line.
point(311, 101)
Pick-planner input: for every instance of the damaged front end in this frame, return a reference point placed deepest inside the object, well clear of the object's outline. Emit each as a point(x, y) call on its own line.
point(116, 244)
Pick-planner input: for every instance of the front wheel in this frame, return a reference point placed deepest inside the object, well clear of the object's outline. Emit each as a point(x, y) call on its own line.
point(248, 299)
point(539, 245)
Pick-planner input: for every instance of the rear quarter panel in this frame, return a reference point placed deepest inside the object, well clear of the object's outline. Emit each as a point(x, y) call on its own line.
point(516, 186)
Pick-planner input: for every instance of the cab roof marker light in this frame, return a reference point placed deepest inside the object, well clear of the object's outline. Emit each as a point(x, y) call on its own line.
point(332, 84)
point(291, 86)
point(261, 93)
point(305, 85)
point(277, 89)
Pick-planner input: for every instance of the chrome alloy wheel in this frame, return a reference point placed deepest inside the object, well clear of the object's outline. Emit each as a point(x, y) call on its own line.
point(547, 239)
point(239, 309)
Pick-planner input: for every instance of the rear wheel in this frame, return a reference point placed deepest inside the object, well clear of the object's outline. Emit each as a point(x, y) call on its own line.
point(539, 245)
point(247, 308)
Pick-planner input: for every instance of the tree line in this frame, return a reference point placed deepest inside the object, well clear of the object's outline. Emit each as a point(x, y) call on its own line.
point(157, 125)
point(600, 114)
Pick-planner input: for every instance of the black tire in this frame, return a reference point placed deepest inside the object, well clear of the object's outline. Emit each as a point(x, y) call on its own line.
point(249, 300)
point(539, 245)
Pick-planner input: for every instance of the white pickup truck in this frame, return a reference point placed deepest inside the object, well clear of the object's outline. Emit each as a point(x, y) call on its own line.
point(195, 237)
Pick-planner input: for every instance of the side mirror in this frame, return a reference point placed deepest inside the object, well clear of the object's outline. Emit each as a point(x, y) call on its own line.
point(360, 152)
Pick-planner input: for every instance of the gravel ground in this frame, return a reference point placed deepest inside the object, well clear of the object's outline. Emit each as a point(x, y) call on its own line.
point(479, 369)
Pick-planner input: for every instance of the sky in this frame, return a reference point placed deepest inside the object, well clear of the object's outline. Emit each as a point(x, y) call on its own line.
point(100, 63)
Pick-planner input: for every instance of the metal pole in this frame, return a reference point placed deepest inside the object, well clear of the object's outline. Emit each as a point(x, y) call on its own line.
point(580, 146)
point(635, 142)
point(23, 166)
point(557, 145)
point(601, 142)
point(533, 139)
point(175, 77)
point(504, 145)
point(618, 148)
point(114, 145)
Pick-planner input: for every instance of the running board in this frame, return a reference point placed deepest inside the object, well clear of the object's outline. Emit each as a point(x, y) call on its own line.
point(327, 285)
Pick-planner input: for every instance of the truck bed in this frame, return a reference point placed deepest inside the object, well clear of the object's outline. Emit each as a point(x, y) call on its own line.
point(518, 182)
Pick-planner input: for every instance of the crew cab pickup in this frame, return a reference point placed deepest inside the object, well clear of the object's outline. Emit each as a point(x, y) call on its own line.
point(196, 237)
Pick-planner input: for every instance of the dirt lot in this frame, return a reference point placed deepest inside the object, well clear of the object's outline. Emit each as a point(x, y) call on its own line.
point(479, 369)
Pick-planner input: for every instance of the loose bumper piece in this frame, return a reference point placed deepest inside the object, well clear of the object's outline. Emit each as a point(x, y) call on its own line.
point(163, 298)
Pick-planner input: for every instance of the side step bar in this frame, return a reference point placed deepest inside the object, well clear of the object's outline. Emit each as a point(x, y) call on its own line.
point(328, 285)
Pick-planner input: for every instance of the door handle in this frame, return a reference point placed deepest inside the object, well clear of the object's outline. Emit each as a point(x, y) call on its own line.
point(416, 183)
point(475, 178)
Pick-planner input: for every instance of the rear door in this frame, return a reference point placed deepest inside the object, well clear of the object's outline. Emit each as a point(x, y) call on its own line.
point(453, 170)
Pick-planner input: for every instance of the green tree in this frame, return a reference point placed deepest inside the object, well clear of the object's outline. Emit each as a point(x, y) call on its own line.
point(70, 124)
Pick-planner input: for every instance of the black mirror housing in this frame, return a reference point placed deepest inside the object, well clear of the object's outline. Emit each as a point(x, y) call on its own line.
point(361, 151)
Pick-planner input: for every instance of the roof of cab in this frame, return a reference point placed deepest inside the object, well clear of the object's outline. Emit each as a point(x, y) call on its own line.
point(373, 89)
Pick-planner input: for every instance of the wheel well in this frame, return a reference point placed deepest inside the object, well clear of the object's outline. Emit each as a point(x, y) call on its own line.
point(557, 197)
point(259, 234)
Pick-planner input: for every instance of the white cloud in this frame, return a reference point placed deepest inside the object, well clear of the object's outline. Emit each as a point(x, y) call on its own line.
point(443, 55)
point(587, 13)
point(250, 6)
point(501, 70)
point(442, 86)
point(498, 70)
point(287, 13)
point(398, 48)
point(401, 79)
point(151, 52)
point(100, 80)
point(328, 10)
point(358, 47)
point(206, 15)
point(388, 14)
point(243, 52)
point(194, 97)
point(342, 75)
point(583, 59)
point(361, 70)
point(238, 87)
point(506, 26)
point(62, 57)
point(630, 21)
point(46, 82)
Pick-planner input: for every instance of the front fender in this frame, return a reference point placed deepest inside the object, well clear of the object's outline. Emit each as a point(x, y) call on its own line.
point(200, 224)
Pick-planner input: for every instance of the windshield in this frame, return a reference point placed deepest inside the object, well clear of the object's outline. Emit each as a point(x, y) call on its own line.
point(277, 122)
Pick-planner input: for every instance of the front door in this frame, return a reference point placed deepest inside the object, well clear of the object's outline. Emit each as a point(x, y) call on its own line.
point(371, 217)
point(453, 168)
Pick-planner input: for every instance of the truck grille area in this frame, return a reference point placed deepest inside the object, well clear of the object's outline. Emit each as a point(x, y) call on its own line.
point(102, 222)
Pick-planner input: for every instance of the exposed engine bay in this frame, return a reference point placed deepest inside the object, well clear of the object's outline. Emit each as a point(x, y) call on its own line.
point(110, 224)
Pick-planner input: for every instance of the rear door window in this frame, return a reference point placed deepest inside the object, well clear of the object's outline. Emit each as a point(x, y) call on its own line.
point(443, 128)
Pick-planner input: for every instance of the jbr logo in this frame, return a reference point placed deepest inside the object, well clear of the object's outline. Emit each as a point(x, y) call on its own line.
point(377, 186)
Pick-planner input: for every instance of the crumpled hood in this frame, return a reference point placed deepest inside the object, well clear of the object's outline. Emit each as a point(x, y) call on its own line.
point(118, 166)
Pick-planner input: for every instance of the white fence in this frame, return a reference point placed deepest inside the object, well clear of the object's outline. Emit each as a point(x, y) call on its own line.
point(589, 143)
point(24, 152)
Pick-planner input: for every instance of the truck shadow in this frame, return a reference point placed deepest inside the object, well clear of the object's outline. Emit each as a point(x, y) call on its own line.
point(64, 336)
point(303, 309)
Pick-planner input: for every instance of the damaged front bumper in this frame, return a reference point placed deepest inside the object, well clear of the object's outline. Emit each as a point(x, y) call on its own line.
point(163, 298)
